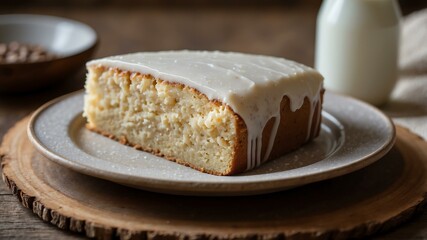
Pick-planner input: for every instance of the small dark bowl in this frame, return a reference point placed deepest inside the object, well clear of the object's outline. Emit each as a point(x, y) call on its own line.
point(73, 42)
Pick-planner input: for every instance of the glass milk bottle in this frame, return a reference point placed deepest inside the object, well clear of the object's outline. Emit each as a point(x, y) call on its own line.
point(357, 47)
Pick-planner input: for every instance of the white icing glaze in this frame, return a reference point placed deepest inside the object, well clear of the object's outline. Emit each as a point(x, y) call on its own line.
point(252, 85)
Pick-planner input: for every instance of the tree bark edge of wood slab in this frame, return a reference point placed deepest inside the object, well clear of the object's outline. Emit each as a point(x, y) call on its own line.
point(383, 195)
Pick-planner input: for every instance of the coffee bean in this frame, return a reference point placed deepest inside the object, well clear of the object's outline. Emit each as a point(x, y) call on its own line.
point(12, 58)
point(15, 52)
point(3, 49)
point(14, 46)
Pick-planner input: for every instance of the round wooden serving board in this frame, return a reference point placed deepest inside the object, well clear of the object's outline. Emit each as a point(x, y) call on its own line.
point(365, 202)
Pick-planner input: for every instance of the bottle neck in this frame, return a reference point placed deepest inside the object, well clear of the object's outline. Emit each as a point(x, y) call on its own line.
point(375, 13)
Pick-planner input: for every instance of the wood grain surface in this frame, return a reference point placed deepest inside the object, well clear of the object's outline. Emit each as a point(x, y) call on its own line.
point(369, 201)
point(286, 31)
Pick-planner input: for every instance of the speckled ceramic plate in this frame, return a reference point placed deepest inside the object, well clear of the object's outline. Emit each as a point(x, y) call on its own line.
point(353, 135)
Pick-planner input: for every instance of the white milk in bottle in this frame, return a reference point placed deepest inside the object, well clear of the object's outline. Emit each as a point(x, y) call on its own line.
point(357, 47)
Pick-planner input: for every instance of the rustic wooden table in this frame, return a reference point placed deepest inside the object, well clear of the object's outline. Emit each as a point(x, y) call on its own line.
point(280, 30)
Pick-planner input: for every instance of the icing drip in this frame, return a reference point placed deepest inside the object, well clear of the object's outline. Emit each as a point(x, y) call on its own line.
point(252, 85)
point(272, 137)
point(313, 106)
point(319, 116)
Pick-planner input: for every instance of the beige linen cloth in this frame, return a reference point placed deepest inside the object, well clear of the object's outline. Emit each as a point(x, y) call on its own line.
point(408, 102)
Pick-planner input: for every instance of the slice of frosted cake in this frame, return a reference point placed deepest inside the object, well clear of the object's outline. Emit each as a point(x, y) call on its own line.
point(220, 113)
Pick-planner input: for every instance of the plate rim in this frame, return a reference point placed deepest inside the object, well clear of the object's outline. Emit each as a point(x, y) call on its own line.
point(187, 187)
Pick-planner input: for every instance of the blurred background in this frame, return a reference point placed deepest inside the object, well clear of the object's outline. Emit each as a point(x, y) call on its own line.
point(280, 28)
point(283, 28)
